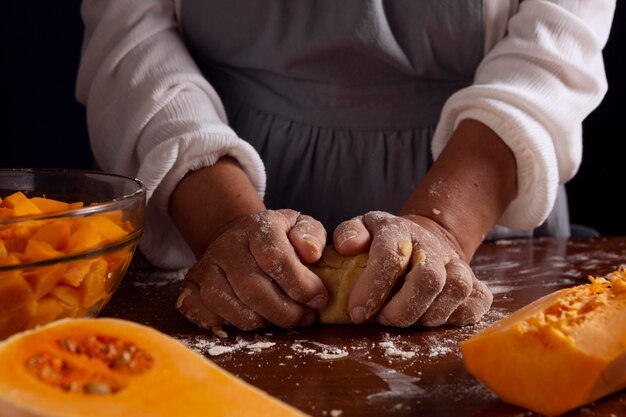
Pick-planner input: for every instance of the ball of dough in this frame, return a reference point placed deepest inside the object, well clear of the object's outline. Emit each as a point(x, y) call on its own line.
point(339, 274)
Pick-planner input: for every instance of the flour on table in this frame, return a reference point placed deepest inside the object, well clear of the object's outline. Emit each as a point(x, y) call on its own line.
point(258, 346)
point(391, 350)
point(324, 352)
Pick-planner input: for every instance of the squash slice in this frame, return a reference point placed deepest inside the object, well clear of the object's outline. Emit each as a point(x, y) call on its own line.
point(111, 367)
point(559, 352)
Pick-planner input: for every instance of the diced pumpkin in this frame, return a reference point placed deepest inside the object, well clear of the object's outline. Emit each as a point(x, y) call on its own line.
point(37, 250)
point(16, 237)
point(15, 320)
point(559, 352)
point(8, 258)
point(76, 271)
point(93, 287)
point(11, 201)
point(108, 230)
point(48, 205)
point(6, 213)
point(64, 289)
point(56, 233)
point(48, 309)
point(85, 236)
point(25, 208)
point(44, 278)
point(69, 295)
point(14, 292)
point(110, 367)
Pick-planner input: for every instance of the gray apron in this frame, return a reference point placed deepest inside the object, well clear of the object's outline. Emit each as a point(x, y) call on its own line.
point(340, 98)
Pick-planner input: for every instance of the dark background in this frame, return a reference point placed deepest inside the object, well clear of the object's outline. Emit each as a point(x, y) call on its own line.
point(44, 126)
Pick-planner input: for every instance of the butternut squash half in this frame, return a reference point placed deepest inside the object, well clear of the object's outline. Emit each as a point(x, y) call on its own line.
point(559, 352)
point(111, 367)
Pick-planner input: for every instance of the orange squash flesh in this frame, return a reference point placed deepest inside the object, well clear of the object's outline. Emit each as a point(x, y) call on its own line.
point(112, 367)
point(558, 353)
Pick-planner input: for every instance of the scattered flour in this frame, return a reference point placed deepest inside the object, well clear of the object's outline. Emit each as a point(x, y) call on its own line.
point(439, 351)
point(220, 350)
point(258, 346)
point(326, 352)
point(392, 351)
point(336, 354)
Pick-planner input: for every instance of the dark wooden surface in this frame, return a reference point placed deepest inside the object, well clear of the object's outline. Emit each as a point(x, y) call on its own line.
point(374, 370)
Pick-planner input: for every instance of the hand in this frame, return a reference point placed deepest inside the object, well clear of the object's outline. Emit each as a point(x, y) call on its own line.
point(252, 274)
point(440, 287)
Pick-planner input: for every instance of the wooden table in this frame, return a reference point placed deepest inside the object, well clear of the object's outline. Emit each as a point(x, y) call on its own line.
point(374, 370)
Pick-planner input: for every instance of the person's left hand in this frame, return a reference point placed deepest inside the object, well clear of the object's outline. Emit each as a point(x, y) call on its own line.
point(439, 288)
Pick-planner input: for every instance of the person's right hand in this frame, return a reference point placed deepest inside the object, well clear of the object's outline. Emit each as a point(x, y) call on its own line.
point(253, 274)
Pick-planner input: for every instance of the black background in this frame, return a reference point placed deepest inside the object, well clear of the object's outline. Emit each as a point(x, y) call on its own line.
point(44, 126)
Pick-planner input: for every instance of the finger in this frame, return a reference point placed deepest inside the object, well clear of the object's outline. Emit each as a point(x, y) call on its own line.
point(308, 237)
point(388, 258)
point(351, 237)
point(474, 307)
point(457, 288)
point(190, 304)
point(422, 285)
point(259, 292)
point(276, 257)
point(217, 293)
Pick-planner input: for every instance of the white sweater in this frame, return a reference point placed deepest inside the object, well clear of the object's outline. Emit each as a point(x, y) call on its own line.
point(153, 116)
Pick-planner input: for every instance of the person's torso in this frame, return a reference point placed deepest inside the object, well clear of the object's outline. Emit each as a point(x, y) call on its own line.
point(350, 63)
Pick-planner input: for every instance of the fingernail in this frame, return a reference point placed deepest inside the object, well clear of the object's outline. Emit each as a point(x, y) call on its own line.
point(383, 320)
point(346, 236)
point(313, 243)
point(317, 302)
point(358, 315)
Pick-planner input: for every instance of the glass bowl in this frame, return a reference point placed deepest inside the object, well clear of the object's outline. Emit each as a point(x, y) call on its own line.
point(67, 259)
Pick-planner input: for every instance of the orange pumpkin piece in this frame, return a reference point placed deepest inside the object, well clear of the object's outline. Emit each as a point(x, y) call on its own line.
point(105, 367)
point(4, 253)
point(5, 213)
point(559, 352)
point(15, 320)
point(93, 287)
point(76, 271)
point(37, 250)
point(84, 236)
point(56, 233)
point(48, 309)
point(11, 201)
point(26, 208)
point(44, 278)
point(14, 292)
point(69, 295)
point(108, 230)
point(48, 205)
point(16, 237)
